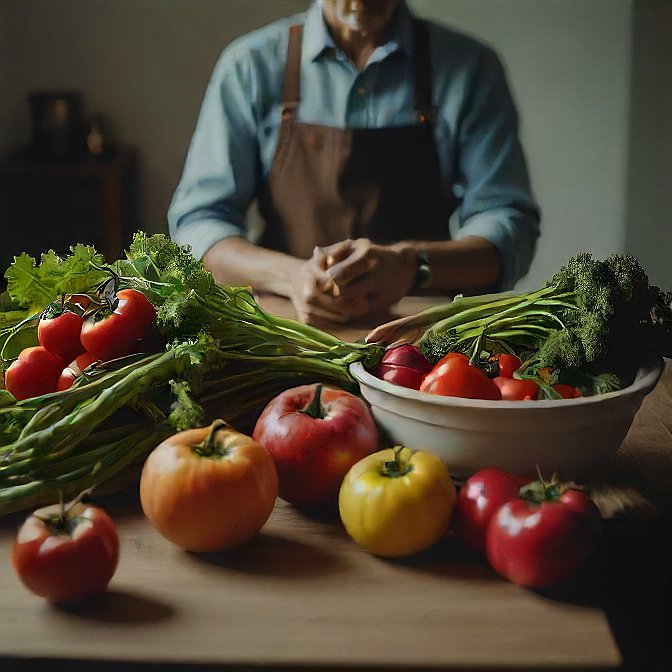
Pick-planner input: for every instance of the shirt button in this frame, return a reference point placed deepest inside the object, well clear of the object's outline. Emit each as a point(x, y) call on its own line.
point(361, 91)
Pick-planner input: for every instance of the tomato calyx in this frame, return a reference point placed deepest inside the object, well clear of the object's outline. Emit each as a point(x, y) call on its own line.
point(314, 409)
point(105, 300)
point(54, 309)
point(541, 491)
point(67, 303)
point(64, 522)
point(400, 465)
point(210, 447)
point(502, 364)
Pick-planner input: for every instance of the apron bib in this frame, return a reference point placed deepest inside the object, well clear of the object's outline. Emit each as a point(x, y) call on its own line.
point(328, 184)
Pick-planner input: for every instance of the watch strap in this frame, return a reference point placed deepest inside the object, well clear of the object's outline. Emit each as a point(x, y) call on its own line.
point(423, 272)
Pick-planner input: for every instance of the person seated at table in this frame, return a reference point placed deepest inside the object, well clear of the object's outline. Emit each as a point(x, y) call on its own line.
point(359, 129)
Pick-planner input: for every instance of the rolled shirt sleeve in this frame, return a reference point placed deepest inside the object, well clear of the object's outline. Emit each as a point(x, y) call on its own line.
point(221, 172)
point(497, 203)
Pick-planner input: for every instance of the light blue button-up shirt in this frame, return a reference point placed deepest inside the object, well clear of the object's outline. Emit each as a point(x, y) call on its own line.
point(235, 138)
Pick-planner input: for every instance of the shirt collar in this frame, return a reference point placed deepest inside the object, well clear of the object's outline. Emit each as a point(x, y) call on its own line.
point(317, 39)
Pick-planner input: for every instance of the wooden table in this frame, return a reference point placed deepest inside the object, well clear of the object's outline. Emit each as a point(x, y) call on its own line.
point(301, 595)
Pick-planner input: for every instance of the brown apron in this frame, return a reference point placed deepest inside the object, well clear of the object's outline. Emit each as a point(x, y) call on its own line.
point(327, 184)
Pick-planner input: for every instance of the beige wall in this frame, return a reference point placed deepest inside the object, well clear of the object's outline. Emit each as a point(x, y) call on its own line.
point(596, 167)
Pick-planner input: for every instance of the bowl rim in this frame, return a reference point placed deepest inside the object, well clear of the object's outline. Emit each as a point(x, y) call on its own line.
point(646, 379)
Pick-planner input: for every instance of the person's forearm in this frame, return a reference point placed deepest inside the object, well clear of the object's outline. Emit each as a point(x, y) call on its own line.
point(235, 261)
point(466, 265)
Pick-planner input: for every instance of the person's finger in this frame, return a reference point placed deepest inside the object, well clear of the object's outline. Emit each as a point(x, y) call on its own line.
point(363, 285)
point(335, 309)
point(330, 287)
point(318, 318)
point(318, 265)
point(351, 269)
point(319, 258)
point(338, 252)
point(317, 315)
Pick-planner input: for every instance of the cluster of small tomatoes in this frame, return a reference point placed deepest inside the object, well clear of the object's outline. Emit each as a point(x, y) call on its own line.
point(76, 332)
point(454, 375)
point(213, 488)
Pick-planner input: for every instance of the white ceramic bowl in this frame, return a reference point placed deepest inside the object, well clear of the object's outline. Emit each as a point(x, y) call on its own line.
point(567, 437)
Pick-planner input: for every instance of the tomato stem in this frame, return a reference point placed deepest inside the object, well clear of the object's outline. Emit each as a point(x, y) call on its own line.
point(62, 522)
point(62, 513)
point(400, 465)
point(208, 447)
point(541, 491)
point(314, 408)
point(107, 289)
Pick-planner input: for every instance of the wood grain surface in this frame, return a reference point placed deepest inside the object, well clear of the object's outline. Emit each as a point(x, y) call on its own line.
point(301, 594)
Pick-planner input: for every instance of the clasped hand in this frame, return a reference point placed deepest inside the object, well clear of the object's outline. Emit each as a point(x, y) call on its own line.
point(350, 279)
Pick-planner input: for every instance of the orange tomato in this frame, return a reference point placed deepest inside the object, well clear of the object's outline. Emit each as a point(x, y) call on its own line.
point(208, 489)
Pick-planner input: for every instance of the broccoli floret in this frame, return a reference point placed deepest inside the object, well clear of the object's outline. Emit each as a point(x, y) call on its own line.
point(591, 315)
point(159, 248)
point(174, 280)
point(172, 263)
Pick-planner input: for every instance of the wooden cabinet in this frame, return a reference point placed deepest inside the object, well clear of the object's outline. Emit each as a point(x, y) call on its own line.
point(52, 204)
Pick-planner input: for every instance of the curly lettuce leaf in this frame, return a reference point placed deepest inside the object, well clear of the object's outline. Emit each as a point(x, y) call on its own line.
point(11, 313)
point(33, 286)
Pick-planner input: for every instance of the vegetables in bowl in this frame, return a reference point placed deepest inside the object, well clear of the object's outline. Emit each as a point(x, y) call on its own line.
point(563, 436)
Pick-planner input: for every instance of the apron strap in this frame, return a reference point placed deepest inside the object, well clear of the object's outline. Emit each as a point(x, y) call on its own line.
point(291, 88)
point(422, 73)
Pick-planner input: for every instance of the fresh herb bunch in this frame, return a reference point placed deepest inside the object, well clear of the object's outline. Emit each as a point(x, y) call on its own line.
point(225, 354)
point(189, 300)
point(260, 353)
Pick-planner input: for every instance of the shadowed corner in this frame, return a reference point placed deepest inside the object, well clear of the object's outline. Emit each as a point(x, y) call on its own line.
point(636, 590)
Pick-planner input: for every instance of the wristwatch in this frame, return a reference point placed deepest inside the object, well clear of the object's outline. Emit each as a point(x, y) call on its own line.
point(423, 272)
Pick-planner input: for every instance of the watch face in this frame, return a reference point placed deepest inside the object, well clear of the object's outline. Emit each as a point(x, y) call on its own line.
point(423, 276)
point(423, 272)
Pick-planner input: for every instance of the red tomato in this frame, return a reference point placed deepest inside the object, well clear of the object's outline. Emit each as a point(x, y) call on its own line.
point(478, 500)
point(60, 334)
point(79, 301)
point(403, 365)
point(33, 373)
point(513, 389)
point(454, 376)
point(151, 341)
point(109, 334)
point(66, 555)
point(507, 364)
point(74, 370)
point(567, 391)
point(315, 434)
point(539, 543)
point(208, 489)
